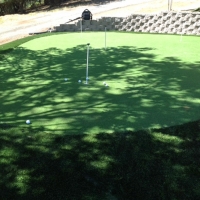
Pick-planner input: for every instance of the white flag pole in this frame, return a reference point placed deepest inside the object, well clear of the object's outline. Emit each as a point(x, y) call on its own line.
point(87, 78)
point(81, 24)
point(105, 37)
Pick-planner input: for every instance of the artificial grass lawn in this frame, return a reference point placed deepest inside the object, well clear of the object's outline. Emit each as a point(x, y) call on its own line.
point(153, 82)
point(158, 164)
point(152, 164)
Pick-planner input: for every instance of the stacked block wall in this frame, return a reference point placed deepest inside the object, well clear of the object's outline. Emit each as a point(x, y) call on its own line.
point(165, 22)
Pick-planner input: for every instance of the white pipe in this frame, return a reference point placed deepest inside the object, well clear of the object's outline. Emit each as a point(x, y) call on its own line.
point(105, 37)
point(87, 78)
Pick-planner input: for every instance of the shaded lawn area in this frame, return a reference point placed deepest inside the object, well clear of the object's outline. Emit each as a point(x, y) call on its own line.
point(146, 90)
point(153, 82)
point(157, 164)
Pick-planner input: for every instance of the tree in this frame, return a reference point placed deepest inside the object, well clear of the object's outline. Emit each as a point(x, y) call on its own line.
point(53, 2)
point(12, 7)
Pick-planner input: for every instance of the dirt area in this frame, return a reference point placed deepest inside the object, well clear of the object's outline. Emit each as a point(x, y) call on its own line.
point(17, 26)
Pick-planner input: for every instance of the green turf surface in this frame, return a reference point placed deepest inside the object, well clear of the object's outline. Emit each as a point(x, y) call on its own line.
point(153, 82)
point(158, 164)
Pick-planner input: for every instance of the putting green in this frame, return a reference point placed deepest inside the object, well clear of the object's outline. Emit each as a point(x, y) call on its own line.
point(153, 82)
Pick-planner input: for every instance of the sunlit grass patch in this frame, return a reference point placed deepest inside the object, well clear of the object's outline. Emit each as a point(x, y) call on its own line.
point(171, 139)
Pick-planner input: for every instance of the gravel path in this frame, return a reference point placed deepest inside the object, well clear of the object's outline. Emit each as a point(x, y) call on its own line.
point(13, 27)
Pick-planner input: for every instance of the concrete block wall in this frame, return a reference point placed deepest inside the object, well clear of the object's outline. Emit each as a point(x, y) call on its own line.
point(165, 22)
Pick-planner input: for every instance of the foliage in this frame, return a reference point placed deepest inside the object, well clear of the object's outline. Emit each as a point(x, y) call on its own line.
point(197, 10)
point(16, 6)
point(12, 6)
point(22, 6)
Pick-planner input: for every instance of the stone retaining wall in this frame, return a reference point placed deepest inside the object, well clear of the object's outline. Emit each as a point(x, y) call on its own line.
point(165, 22)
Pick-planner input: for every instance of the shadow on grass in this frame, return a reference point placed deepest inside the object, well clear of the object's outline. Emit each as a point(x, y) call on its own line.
point(160, 164)
point(144, 91)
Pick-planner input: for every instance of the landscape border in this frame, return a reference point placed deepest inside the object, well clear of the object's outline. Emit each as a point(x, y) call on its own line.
point(183, 23)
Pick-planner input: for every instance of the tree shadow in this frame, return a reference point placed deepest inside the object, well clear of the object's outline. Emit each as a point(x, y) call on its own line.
point(158, 164)
point(142, 93)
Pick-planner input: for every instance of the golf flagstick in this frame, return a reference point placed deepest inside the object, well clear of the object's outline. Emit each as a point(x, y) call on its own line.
point(87, 78)
point(81, 24)
point(105, 37)
point(181, 36)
